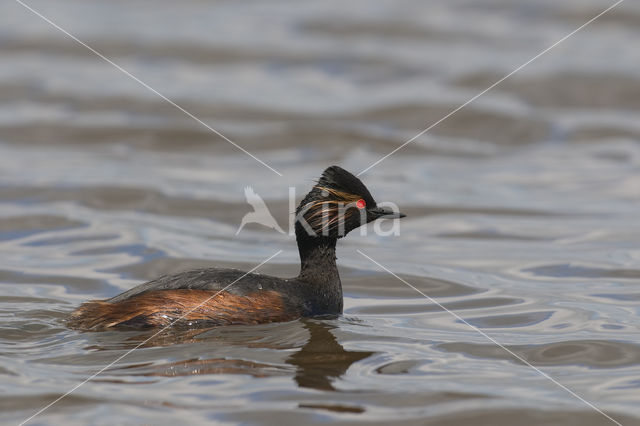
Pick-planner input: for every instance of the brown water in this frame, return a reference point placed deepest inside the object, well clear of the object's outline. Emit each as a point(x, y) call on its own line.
point(523, 208)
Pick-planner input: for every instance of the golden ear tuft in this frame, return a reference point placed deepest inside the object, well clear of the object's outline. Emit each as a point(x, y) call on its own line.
point(326, 215)
point(342, 196)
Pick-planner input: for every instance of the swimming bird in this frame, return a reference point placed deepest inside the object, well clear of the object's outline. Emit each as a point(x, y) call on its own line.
point(337, 204)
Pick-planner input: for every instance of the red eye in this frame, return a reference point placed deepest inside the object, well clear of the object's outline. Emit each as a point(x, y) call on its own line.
point(361, 204)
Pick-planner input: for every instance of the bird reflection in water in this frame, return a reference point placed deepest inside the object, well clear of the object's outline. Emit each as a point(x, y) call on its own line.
point(316, 365)
point(322, 359)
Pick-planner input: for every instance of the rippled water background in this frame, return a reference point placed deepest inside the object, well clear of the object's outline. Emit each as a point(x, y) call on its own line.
point(523, 208)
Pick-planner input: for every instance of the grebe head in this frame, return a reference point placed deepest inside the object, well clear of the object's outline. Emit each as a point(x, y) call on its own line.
point(338, 204)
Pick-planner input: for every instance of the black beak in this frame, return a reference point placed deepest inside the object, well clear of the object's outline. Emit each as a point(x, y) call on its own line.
point(386, 213)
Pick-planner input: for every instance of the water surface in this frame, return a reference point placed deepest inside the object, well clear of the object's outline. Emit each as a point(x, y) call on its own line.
point(522, 208)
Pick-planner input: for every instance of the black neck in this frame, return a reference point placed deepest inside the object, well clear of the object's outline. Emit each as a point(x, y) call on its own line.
point(318, 268)
point(317, 257)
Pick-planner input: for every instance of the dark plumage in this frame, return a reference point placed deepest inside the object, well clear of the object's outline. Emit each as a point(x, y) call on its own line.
point(338, 204)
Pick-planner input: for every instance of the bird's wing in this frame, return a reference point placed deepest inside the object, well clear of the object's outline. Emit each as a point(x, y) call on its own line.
point(249, 193)
point(255, 200)
point(261, 213)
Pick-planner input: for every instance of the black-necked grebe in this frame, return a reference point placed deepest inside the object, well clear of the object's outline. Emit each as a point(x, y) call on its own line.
point(337, 204)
